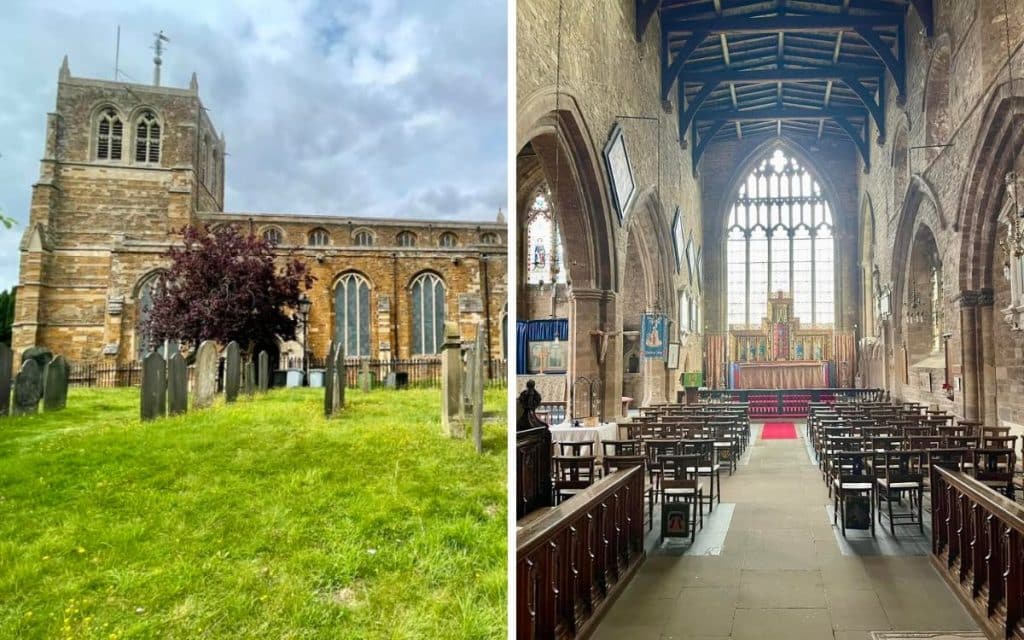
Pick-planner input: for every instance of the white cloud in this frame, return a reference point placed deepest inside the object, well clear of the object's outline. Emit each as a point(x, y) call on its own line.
point(340, 107)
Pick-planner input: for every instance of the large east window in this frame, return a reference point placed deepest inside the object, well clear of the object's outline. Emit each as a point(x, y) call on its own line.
point(779, 238)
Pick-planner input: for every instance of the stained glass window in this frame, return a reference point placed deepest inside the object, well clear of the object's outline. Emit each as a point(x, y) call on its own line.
point(780, 239)
point(544, 263)
point(352, 314)
point(428, 299)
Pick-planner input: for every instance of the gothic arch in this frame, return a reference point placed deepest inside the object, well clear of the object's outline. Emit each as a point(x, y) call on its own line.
point(867, 265)
point(900, 163)
point(925, 212)
point(998, 144)
point(649, 226)
point(554, 140)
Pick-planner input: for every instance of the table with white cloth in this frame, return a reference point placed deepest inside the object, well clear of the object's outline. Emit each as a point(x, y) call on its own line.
point(565, 432)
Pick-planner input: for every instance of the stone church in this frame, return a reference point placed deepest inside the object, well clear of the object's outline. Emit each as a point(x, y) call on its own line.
point(126, 166)
point(805, 218)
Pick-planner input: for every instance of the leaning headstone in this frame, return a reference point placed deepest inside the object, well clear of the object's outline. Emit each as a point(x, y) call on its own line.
point(329, 382)
point(264, 371)
point(206, 374)
point(250, 377)
point(232, 371)
point(41, 355)
point(6, 375)
point(365, 382)
point(55, 384)
point(154, 386)
point(177, 384)
point(451, 381)
point(28, 388)
point(478, 389)
point(341, 373)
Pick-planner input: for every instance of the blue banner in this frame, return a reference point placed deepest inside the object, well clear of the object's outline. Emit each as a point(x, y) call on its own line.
point(654, 336)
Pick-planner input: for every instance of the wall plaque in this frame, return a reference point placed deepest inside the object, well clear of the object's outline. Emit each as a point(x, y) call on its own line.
point(470, 303)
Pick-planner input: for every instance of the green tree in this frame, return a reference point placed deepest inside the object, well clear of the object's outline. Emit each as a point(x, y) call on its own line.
point(6, 315)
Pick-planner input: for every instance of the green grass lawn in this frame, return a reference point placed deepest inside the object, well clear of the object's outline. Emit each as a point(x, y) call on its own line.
point(254, 520)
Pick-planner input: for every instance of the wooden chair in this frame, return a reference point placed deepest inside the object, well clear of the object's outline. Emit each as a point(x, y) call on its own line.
point(573, 474)
point(611, 464)
point(903, 474)
point(854, 478)
point(654, 450)
point(708, 466)
point(621, 448)
point(994, 469)
point(576, 449)
point(679, 483)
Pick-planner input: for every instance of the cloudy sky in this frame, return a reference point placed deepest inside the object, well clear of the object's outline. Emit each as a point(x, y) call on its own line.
point(341, 107)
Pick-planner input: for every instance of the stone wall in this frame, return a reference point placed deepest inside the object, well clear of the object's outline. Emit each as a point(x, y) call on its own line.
point(601, 77)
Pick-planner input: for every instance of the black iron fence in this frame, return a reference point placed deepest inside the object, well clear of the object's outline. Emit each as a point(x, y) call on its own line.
point(417, 373)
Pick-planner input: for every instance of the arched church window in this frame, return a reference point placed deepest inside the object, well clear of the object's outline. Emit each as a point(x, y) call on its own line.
point(146, 291)
point(352, 314)
point(273, 235)
point(109, 135)
point(147, 138)
point(319, 238)
point(779, 238)
point(448, 239)
point(406, 239)
point(544, 263)
point(428, 300)
point(489, 238)
point(363, 239)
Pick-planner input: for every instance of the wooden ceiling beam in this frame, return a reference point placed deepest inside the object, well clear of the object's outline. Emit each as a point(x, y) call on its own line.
point(645, 10)
point(778, 113)
point(757, 76)
point(788, 23)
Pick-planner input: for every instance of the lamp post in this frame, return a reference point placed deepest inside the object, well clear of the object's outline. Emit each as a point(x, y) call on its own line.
point(304, 304)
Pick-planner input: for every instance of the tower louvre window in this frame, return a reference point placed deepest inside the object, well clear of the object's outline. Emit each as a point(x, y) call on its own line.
point(147, 138)
point(109, 134)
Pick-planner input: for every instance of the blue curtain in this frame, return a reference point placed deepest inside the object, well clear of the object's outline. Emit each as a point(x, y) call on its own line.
point(530, 330)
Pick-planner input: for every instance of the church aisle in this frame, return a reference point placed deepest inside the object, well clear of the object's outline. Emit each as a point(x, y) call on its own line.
point(781, 572)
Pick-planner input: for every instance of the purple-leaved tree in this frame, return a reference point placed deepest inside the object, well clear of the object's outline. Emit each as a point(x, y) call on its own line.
point(223, 285)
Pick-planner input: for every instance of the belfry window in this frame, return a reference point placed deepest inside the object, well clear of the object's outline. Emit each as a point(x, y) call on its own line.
point(147, 138)
point(543, 242)
point(109, 135)
point(779, 238)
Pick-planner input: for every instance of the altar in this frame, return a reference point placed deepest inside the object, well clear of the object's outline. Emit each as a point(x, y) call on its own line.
point(781, 375)
point(782, 353)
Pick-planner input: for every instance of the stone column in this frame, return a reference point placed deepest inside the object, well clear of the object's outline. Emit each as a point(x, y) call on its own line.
point(969, 356)
point(987, 356)
point(597, 356)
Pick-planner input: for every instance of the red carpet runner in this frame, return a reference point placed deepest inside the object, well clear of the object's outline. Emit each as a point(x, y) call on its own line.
point(778, 431)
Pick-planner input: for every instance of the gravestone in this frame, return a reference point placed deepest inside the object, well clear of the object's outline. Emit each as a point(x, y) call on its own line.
point(250, 377)
point(232, 371)
point(264, 371)
point(28, 388)
point(329, 382)
point(365, 382)
point(477, 396)
point(206, 374)
point(55, 384)
point(6, 375)
point(340, 378)
point(154, 386)
point(451, 382)
point(177, 384)
point(171, 347)
point(41, 355)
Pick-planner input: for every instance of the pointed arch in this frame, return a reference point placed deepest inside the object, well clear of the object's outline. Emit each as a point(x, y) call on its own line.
point(999, 142)
point(428, 296)
point(352, 313)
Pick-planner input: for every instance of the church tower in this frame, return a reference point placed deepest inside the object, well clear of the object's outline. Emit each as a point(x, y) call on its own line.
point(124, 167)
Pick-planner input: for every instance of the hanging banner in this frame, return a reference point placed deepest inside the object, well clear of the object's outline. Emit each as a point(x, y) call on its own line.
point(653, 331)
